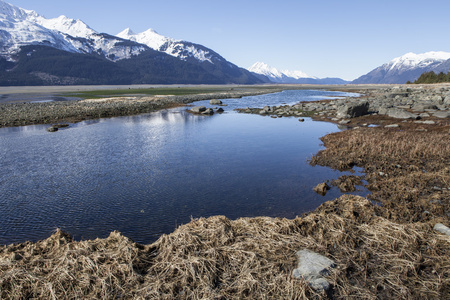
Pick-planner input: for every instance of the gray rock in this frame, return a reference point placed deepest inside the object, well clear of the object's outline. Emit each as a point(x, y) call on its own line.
point(442, 114)
point(198, 109)
point(401, 114)
point(382, 110)
point(428, 122)
point(215, 102)
point(220, 110)
point(398, 95)
point(343, 122)
point(52, 129)
point(312, 268)
point(353, 110)
point(301, 120)
point(208, 111)
point(423, 107)
point(267, 108)
point(447, 100)
point(392, 126)
point(442, 228)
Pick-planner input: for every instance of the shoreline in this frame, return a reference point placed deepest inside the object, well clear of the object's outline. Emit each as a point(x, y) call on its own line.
point(17, 107)
point(390, 250)
point(72, 111)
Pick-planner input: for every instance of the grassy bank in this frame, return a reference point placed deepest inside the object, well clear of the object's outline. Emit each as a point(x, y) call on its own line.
point(249, 258)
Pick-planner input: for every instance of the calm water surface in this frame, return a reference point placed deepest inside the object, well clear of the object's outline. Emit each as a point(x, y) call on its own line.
point(145, 175)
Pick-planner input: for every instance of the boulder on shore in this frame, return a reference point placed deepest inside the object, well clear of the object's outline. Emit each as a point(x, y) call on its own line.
point(353, 110)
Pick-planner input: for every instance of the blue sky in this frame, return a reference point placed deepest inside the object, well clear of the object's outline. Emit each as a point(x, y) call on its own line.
point(323, 38)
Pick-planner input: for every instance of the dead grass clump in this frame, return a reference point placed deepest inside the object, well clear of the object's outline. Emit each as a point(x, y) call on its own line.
point(407, 171)
point(249, 258)
point(58, 268)
point(346, 183)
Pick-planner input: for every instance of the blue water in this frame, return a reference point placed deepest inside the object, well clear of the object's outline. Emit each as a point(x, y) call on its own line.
point(145, 175)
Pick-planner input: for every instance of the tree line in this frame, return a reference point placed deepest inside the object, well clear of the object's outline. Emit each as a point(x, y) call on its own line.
point(432, 77)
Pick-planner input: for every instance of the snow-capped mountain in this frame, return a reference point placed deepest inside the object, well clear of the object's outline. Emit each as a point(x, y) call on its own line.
point(406, 68)
point(177, 48)
point(17, 29)
point(276, 75)
point(161, 59)
point(20, 27)
point(290, 77)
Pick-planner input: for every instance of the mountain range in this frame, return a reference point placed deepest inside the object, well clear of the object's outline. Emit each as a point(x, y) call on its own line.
point(272, 74)
point(37, 51)
point(408, 67)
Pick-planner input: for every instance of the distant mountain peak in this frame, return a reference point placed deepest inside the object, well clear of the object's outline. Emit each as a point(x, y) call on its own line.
point(149, 37)
point(290, 77)
point(271, 72)
point(126, 32)
point(264, 69)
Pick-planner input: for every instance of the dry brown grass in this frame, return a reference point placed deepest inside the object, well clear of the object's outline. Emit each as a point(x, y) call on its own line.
point(407, 171)
point(249, 258)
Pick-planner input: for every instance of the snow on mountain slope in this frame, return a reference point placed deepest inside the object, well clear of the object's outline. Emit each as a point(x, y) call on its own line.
point(17, 30)
point(411, 60)
point(405, 68)
point(177, 48)
point(266, 70)
point(75, 28)
point(20, 27)
point(277, 75)
point(150, 38)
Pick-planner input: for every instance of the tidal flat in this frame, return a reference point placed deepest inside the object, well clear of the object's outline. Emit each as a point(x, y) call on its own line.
point(383, 246)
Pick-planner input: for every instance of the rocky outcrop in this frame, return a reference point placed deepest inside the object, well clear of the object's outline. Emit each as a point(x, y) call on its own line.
point(407, 102)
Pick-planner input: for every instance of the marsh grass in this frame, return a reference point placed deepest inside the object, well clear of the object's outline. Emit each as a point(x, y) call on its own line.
point(248, 258)
point(407, 171)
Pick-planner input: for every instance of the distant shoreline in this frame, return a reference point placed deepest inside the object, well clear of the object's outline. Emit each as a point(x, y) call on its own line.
point(21, 106)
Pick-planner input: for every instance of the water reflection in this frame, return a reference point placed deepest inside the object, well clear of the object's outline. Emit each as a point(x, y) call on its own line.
point(144, 175)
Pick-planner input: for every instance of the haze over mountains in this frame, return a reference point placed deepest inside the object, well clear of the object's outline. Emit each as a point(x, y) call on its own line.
point(39, 51)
